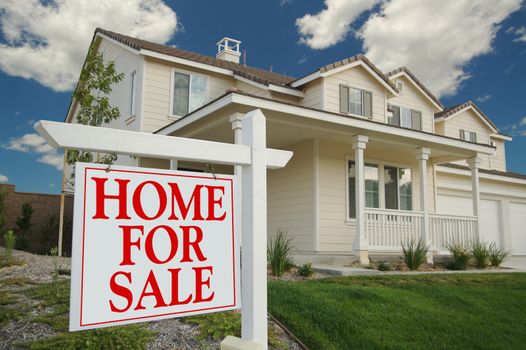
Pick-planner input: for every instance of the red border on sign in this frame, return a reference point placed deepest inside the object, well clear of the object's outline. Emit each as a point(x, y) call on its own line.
point(169, 313)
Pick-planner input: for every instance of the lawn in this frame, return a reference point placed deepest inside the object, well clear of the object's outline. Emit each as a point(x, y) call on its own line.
point(458, 311)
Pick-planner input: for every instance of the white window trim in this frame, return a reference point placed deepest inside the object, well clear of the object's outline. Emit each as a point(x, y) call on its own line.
point(171, 115)
point(132, 106)
point(388, 104)
point(381, 184)
point(470, 131)
point(362, 90)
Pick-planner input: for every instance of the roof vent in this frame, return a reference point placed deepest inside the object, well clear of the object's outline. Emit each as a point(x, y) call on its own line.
point(228, 50)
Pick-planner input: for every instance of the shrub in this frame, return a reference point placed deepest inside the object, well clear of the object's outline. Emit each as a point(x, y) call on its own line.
point(306, 270)
point(384, 266)
point(279, 253)
point(460, 256)
point(497, 255)
point(3, 206)
point(9, 239)
point(480, 253)
point(48, 234)
point(415, 253)
point(23, 227)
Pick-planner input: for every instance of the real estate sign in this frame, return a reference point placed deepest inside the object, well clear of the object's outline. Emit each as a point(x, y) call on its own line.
point(150, 244)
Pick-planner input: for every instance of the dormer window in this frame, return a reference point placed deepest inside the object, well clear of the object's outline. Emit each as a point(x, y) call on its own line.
point(356, 101)
point(467, 135)
point(189, 92)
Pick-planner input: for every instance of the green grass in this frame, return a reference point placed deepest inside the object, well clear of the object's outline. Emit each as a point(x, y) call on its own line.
point(475, 311)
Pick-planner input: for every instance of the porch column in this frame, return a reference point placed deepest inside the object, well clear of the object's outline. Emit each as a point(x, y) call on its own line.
point(360, 244)
point(474, 164)
point(422, 155)
point(173, 164)
point(235, 120)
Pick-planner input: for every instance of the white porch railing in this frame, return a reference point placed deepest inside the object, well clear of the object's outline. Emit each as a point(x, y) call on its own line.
point(385, 229)
point(444, 229)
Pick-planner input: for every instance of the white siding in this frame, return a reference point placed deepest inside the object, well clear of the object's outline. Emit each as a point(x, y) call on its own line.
point(291, 198)
point(468, 120)
point(412, 98)
point(359, 78)
point(157, 91)
point(314, 95)
point(498, 161)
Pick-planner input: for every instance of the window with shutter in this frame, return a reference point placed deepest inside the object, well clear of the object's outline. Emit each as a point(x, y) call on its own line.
point(368, 104)
point(467, 135)
point(344, 99)
point(416, 120)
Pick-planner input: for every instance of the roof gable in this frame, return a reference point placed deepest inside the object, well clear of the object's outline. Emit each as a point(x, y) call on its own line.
point(456, 110)
point(403, 71)
point(336, 67)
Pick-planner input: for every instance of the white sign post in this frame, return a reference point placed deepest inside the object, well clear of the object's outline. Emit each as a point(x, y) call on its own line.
point(151, 245)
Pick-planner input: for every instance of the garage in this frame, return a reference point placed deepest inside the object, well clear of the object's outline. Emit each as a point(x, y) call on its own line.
point(489, 214)
point(518, 228)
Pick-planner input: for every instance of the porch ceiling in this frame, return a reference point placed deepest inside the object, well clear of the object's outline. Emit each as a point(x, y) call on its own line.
point(285, 129)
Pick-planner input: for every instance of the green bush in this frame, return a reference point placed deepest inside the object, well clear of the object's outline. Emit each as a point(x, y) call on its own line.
point(24, 227)
point(384, 266)
point(306, 270)
point(460, 256)
point(480, 252)
point(415, 253)
point(279, 253)
point(9, 239)
point(216, 325)
point(3, 206)
point(497, 255)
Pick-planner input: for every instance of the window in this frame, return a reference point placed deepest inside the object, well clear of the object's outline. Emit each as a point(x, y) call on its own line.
point(133, 91)
point(356, 101)
point(189, 93)
point(397, 187)
point(404, 117)
point(371, 187)
point(467, 135)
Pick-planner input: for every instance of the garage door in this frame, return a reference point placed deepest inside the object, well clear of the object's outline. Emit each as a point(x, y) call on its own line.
point(489, 214)
point(518, 228)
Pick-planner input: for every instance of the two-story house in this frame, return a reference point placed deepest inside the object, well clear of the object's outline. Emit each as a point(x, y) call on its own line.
point(378, 160)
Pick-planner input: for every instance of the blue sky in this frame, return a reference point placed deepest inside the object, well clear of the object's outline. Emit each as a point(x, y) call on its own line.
point(462, 49)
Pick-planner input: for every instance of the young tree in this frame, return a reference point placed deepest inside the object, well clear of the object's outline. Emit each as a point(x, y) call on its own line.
point(3, 206)
point(92, 95)
point(24, 227)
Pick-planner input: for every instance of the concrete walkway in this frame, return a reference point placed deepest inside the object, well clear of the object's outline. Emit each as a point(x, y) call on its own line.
point(512, 264)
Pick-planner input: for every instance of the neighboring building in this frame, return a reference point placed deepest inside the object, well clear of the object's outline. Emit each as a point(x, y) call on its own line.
point(378, 159)
point(44, 220)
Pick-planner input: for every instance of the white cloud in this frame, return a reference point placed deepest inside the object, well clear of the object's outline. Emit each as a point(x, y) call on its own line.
point(435, 39)
point(482, 99)
point(284, 2)
point(47, 41)
point(521, 32)
point(517, 129)
point(34, 143)
point(3, 179)
point(332, 24)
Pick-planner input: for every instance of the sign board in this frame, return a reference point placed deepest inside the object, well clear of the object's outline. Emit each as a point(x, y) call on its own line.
point(150, 244)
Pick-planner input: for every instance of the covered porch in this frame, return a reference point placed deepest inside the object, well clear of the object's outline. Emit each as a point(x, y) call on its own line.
point(334, 198)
